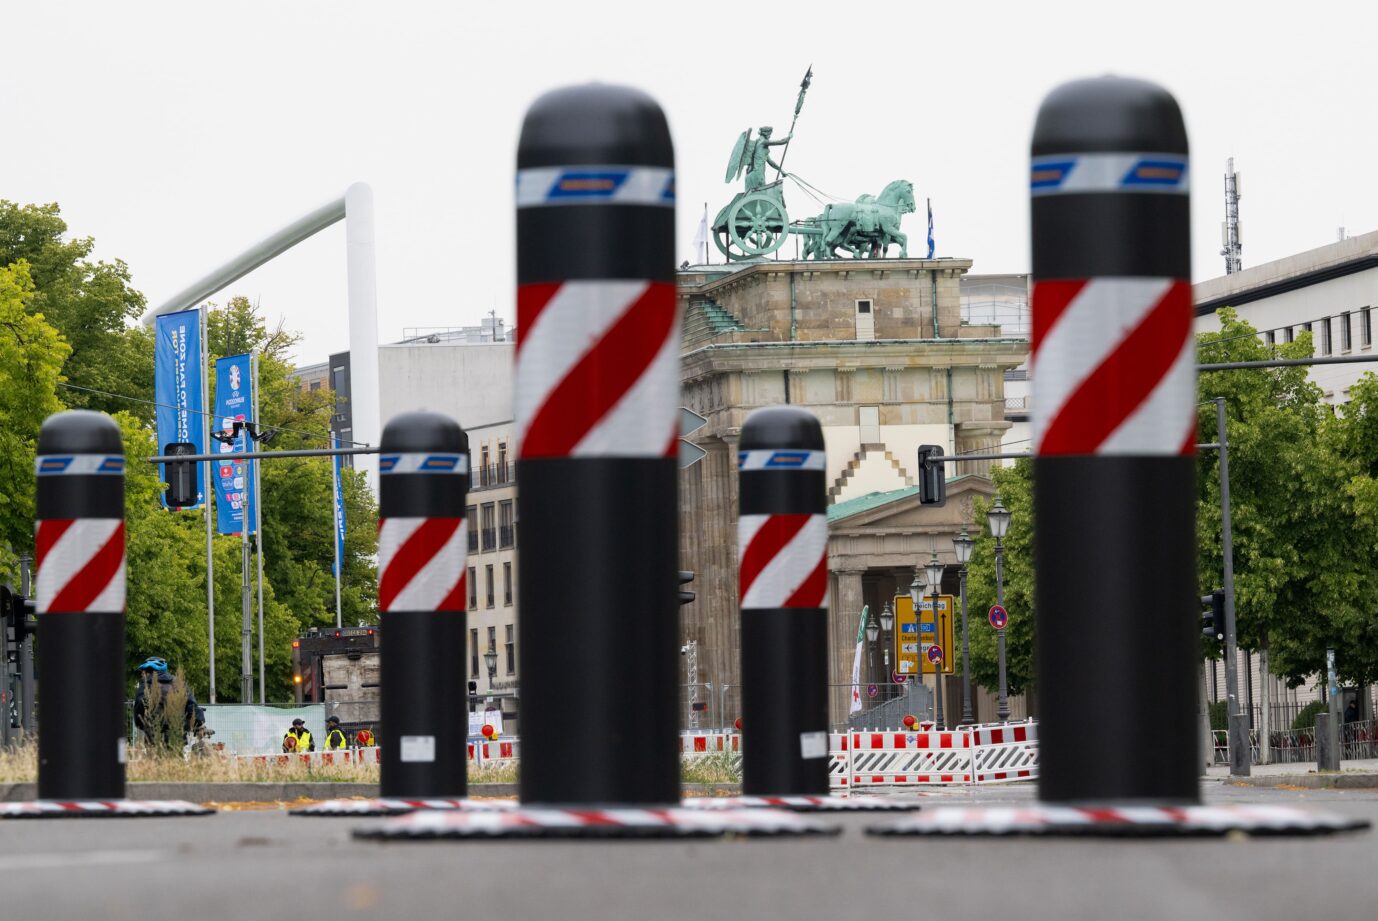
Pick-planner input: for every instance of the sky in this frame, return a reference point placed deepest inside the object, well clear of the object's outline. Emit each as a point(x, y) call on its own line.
point(179, 134)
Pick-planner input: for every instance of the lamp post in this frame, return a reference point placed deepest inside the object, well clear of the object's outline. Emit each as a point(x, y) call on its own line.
point(490, 659)
point(998, 518)
point(961, 546)
point(916, 597)
point(887, 623)
point(934, 571)
point(872, 634)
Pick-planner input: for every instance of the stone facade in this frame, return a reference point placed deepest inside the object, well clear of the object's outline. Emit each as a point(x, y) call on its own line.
point(882, 381)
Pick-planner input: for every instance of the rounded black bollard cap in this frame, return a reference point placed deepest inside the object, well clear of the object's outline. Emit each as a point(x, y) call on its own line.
point(595, 124)
point(423, 431)
point(80, 431)
point(1108, 114)
point(787, 427)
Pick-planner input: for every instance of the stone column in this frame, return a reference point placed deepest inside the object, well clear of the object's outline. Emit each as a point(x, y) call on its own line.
point(843, 617)
point(978, 438)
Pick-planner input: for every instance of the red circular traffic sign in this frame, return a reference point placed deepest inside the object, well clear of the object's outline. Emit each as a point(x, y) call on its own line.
point(935, 653)
point(898, 678)
point(999, 618)
point(872, 690)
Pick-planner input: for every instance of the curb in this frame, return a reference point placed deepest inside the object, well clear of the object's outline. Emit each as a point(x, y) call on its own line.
point(1327, 781)
point(292, 792)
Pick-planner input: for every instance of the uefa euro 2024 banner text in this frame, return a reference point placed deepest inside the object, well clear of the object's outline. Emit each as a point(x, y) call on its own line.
point(339, 505)
point(178, 377)
point(234, 483)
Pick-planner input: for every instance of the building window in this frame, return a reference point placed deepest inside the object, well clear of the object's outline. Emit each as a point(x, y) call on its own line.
point(1345, 342)
point(485, 475)
point(507, 534)
point(502, 462)
point(868, 419)
point(488, 586)
point(490, 537)
point(1325, 335)
point(473, 589)
point(493, 639)
point(473, 651)
point(865, 320)
point(1270, 338)
point(1366, 327)
point(470, 516)
point(511, 647)
point(315, 385)
point(507, 584)
point(1289, 334)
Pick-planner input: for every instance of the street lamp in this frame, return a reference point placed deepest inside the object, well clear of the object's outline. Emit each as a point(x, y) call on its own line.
point(887, 623)
point(934, 571)
point(961, 546)
point(490, 659)
point(998, 518)
point(872, 634)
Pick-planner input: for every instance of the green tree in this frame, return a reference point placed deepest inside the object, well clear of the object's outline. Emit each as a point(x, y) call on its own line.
point(31, 356)
point(90, 303)
point(1014, 487)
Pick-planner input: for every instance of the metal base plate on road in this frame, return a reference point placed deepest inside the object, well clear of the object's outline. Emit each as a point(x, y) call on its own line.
point(401, 806)
point(86, 809)
point(1121, 821)
point(805, 803)
point(595, 822)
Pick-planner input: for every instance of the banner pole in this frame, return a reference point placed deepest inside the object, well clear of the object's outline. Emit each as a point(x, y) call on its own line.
point(335, 542)
point(206, 492)
point(258, 541)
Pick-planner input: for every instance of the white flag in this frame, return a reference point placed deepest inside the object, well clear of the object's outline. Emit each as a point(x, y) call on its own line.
point(856, 662)
point(701, 238)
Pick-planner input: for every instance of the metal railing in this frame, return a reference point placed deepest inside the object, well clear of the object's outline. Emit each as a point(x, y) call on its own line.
point(490, 540)
point(507, 536)
point(473, 540)
point(1358, 740)
point(490, 476)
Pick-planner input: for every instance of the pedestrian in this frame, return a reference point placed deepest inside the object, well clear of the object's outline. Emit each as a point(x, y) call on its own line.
point(334, 735)
point(299, 736)
point(157, 687)
point(1352, 711)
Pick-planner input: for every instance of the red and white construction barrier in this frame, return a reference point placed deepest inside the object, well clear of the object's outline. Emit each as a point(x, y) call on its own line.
point(1120, 821)
point(701, 743)
point(1005, 753)
point(401, 806)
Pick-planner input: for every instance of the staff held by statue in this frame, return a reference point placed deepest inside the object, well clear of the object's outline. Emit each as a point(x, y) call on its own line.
point(799, 104)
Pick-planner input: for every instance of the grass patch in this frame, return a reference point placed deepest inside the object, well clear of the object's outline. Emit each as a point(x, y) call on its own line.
point(719, 767)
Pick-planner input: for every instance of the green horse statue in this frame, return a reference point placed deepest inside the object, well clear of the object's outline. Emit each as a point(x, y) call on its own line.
point(866, 228)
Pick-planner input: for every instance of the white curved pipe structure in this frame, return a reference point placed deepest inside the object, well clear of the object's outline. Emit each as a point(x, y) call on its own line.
point(356, 208)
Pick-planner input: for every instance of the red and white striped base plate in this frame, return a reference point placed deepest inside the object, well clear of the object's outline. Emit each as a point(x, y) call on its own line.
point(1121, 821)
point(402, 806)
point(806, 803)
point(115, 808)
point(605, 822)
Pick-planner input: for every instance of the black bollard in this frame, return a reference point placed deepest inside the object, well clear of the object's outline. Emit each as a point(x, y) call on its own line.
point(1115, 434)
point(423, 477)
point(79, 547)
point(596, 408)
point(782, 549)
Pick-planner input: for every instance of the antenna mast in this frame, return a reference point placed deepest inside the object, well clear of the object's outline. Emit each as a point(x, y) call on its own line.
point(1233, 247)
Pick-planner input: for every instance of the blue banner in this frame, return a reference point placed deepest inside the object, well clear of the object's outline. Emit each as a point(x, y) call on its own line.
point(234, 400)
point(177, 382)
point(337, 460)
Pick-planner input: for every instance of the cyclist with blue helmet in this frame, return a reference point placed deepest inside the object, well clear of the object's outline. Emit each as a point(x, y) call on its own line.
point(154, 672)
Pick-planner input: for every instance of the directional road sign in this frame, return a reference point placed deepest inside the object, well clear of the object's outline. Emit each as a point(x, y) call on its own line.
point(689, 423)
point(998, 617)
point(913, 636)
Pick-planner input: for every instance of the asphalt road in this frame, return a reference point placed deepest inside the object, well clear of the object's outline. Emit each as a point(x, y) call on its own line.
point(268, 865)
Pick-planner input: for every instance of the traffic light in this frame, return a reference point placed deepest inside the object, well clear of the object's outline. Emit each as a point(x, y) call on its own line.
point(932, 476)
point(180, 476)
point(685, 577)
point(17, 614)
point(1213, 617)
